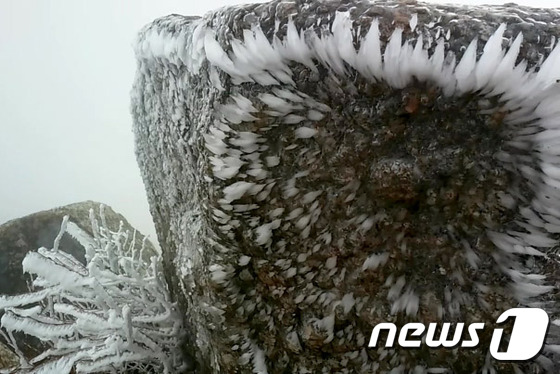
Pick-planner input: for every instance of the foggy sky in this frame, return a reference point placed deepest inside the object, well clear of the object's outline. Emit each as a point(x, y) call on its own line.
point(66, 70)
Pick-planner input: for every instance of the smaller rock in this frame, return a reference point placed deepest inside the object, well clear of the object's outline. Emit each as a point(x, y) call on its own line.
point(8, 359)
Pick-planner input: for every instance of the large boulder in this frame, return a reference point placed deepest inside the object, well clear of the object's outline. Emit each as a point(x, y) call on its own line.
point(315, 168)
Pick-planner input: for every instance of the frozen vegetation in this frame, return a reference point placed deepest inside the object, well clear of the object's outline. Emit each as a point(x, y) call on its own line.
point(111, 315)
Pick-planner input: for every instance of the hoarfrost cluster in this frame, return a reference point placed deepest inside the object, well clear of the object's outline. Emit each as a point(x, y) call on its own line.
point(111, 315)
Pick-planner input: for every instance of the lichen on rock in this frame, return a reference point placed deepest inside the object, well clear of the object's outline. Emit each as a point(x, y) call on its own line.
point(315, 168)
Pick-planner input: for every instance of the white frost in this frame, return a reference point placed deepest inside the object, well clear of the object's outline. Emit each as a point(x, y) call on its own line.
point(305, 132)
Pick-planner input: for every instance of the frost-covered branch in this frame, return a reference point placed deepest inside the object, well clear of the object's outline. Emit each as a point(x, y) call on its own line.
point(112, 314)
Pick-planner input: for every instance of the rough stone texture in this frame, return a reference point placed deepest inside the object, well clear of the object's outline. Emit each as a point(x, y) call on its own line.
point(8, 359)
point(390, 204)
point(21, 235)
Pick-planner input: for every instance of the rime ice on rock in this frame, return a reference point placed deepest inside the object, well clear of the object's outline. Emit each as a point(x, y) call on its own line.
point(315, 168)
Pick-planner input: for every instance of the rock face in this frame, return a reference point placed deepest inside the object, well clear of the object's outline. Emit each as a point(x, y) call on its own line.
point(315, 168)
point(19, 236)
